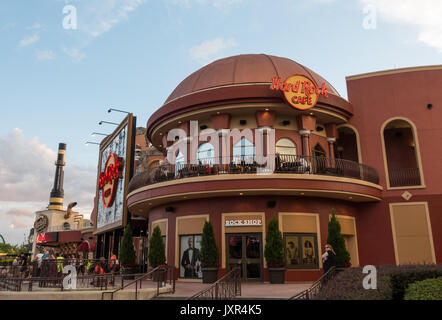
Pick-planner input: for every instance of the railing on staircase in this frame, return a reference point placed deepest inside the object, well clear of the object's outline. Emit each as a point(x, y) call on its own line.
point(316, 287)
point(226, 288)
point(162, 274)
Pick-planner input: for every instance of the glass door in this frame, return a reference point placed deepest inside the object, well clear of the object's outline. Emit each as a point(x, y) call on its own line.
point(245, 251)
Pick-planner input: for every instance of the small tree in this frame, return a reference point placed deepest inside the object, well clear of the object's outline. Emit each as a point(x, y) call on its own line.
point(127, 251)
point(157, 252)
point(336, 240)
point(274, 249)
point(209, 248)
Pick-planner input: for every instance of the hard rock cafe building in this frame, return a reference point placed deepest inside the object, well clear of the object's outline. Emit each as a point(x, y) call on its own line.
point(374, 158)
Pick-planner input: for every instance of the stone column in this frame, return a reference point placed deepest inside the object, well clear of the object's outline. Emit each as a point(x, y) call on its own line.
point(305, 136)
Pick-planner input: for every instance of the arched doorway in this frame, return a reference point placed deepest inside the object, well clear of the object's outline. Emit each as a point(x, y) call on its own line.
point(347, 145)
point(401, 155)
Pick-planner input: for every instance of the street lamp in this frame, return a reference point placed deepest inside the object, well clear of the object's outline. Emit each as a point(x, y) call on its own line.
point(93, 134)
point(112, 109)
point(88, 143)
point(101, 123)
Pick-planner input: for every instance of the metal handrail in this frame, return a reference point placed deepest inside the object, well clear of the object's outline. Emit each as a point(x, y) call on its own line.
point(316, 286)
point(218, 290)
point(279, 164)
point(158, 270)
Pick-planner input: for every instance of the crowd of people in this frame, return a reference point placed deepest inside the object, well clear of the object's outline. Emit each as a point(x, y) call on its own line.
point(50, 264)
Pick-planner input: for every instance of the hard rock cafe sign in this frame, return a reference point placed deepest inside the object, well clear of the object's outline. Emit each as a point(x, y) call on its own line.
point(300, 91)
point(41, 224)
point(108, 181)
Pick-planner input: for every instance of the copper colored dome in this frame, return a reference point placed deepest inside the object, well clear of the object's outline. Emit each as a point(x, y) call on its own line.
point(243, 69)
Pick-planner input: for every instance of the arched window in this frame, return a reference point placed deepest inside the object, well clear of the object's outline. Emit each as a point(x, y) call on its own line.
point(402, 163)
point(244, 150)
point(347, 144)
point(206, 153)
point(318, 151)
point(286, 147)
point(154, 164)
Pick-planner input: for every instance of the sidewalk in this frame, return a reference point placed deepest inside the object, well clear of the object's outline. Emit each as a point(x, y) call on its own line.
point(250, 290)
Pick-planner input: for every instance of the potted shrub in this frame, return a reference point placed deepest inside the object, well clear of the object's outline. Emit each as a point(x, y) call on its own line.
point(209, 254)
point(336, 240)
point(127, 253)
point(274, 253)
point(157, 252)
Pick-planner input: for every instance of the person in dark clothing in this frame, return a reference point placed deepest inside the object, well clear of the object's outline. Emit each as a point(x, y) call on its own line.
point(328, 258)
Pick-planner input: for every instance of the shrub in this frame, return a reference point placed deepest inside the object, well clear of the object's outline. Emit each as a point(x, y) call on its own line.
point(157, 254)
point(402, 277)
point(392, 280)
point(336, 240)
point(209, 248)
point(274, 249)
point(429, 289)
point(127, 251)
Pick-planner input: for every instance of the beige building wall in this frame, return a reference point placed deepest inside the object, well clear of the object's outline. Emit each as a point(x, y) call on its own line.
point(348, 231)
point(412, 235)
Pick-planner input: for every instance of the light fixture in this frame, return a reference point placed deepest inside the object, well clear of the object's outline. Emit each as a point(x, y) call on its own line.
point(241, 194)
point(161, 133)
point(88, 143)
point(180, 122)
point(112, 109)
point(218, 112)
point(302, 193)
point(267, 109)
point(93, 134)
point(101, 123)
point(312, 114)
point(350, 198)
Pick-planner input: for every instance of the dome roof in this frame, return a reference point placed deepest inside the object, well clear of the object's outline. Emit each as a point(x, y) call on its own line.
point(243, 69)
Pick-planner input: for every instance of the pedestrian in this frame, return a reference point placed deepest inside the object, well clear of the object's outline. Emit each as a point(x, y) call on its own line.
point(16, 267)
point(328, 258)
point(60, 264)
point(23, 265)
point(37, 263)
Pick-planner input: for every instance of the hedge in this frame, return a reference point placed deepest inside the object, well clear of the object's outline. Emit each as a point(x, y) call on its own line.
point(429, 289)
point(392, 282)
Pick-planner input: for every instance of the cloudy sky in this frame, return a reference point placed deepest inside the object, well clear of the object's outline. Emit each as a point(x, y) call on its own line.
point(59, 75)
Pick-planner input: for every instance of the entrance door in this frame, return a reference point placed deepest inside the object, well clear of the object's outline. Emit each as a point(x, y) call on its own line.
point(245, 251)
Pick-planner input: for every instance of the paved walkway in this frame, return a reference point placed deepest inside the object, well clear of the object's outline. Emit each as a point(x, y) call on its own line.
point(250, 290)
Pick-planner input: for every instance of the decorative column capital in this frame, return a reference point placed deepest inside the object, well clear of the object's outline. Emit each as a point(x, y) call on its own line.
point(304, 132)
point(331, 140)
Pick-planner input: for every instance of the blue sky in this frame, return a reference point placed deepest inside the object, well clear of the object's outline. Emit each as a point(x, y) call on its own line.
point(57, 84)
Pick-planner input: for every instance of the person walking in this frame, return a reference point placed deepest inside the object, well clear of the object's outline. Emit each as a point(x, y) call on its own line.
point(328, 258)
point(60, 264)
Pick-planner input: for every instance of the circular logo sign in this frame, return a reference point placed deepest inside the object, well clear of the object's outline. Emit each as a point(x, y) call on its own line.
point(300, 91)
point(41, 224)
point(108, 181)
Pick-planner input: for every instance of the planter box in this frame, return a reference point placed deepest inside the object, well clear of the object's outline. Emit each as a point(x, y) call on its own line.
point(210, 275)
point(277, 275)
point(158, 276)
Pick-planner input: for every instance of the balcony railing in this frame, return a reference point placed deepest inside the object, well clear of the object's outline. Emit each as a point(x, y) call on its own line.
point(290, 164)
point(403, 177)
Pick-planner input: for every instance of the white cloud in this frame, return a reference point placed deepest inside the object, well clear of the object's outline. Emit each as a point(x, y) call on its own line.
point(29, 40)
point(99, 16)
point(75, 54)
point(26, 178)
point(424, 15)
point(45, 55)
point(208, 50)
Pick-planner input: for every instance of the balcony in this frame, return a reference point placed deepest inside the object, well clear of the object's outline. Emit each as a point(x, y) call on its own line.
point(404, 177)
point(284, 164)
point(290, 176)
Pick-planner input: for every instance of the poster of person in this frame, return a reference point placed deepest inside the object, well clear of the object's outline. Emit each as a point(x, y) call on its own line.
point(190, 263)
point(308, 250)
point(292, 250)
